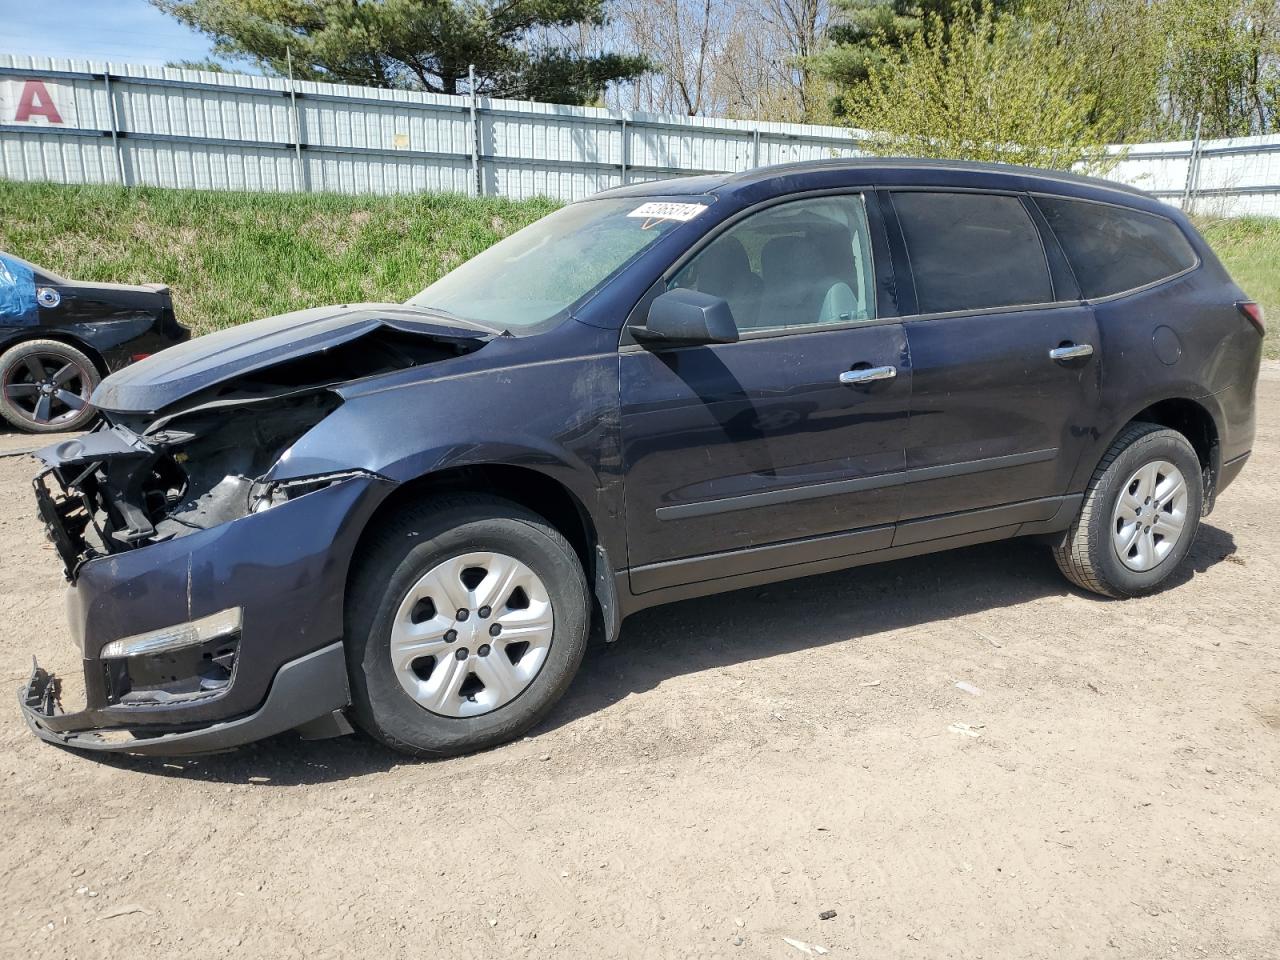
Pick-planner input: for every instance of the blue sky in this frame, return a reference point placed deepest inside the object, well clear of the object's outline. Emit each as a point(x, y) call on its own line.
point(124, 30)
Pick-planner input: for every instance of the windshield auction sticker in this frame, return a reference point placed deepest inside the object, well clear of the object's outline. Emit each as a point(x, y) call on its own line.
point(668, 211)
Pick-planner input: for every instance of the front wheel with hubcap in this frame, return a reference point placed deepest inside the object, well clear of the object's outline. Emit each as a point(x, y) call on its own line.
point(466, 621)
point(1140, 514)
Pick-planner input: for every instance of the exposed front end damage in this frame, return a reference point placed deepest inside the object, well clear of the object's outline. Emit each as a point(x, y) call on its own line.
point(116, 490)
point(206, 595)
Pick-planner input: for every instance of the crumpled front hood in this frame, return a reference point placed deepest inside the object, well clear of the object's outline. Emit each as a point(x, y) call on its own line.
point(188, 368)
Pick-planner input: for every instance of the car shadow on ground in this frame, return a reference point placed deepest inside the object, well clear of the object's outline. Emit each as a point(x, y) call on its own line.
point(811, 612)
point(711, 632)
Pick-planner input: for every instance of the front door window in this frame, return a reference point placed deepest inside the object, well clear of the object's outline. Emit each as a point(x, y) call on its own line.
point(795, 264)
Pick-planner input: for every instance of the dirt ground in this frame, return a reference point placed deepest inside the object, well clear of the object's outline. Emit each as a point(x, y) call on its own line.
point(729, 770)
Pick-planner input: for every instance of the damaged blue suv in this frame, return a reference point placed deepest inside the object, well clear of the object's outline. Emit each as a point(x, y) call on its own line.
point(414, 516)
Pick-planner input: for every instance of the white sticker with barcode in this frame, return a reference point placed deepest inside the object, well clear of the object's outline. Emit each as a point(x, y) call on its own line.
point(668, 211)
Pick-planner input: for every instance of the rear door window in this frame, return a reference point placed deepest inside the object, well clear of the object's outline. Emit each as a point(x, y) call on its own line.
point(1113, 249)
point(970, 251)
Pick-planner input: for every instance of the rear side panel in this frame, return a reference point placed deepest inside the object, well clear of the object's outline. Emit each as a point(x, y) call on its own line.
point(1230, 369)
point(115, 322)
point(1181, 338)
point(1184, 338)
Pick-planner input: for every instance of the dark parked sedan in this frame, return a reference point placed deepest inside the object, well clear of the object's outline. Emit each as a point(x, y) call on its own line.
point(415, 515)
point(59, 338)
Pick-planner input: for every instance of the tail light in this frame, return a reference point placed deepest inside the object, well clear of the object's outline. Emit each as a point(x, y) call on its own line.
point(140, 356)
point(1253, 312)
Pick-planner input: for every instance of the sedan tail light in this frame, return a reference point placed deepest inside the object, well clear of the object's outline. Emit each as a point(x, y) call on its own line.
point(1253, 311)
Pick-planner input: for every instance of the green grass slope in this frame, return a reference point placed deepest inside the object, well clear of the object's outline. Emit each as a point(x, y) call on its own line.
point(1250, 249)
point(232, 257)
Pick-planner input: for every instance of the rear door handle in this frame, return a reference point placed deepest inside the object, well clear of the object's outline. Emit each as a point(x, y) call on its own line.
point(868, 375)
point(1071, 351)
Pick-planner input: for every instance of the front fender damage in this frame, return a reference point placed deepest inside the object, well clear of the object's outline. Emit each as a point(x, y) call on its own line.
point(147, 477)
point(116, 489)
point(167, 675)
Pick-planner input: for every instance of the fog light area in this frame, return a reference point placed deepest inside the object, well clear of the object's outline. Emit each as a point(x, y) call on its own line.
point(183, 662)
point(180, 635)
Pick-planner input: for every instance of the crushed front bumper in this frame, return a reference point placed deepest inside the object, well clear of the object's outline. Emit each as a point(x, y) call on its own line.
point(285, 568)
point(307, 692)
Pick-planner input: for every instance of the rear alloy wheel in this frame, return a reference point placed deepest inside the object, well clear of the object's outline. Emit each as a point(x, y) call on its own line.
point(45, 386)
point(466, 621)
point(1140, 514)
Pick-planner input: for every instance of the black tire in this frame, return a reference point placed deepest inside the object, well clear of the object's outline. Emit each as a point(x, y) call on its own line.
point(1087, 556)
point(402, 550)
point(25, 404)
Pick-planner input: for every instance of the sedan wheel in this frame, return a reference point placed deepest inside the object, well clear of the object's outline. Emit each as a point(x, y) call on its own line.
point(45, 386)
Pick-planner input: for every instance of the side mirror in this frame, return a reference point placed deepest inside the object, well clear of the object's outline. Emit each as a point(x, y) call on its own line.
point(687, 316)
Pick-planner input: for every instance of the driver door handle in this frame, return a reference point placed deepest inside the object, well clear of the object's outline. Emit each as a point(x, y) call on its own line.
point(1071, 351)
point(868, 375)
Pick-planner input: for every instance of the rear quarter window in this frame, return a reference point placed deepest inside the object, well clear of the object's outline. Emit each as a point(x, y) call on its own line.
point(1114, 249)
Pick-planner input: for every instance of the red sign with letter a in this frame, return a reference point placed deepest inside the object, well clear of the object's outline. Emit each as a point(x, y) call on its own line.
point(35, 100)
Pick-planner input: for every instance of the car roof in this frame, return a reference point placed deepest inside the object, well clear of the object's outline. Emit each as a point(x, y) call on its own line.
point(877, 170)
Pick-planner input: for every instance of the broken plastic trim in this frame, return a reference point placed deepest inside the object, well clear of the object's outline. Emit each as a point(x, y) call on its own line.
point(265, 495)
point(309, 692)
point(43, 692)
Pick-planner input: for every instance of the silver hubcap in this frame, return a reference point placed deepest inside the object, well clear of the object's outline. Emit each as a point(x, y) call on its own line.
point(1149, 516)
point(472, 634)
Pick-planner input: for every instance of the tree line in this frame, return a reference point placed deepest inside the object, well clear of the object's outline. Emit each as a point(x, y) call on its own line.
point(1040, 81)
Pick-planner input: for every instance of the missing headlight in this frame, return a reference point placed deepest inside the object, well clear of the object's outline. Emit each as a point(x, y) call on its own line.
point(132, 484)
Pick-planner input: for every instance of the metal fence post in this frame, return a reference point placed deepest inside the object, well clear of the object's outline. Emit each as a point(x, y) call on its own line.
point(115, 127)
point(475, 134)
point(755, 133)
point(626, 150)
point(296, 128)
point(1193, 168)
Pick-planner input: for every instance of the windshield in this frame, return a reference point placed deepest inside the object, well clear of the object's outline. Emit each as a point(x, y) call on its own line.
point(548, 266)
